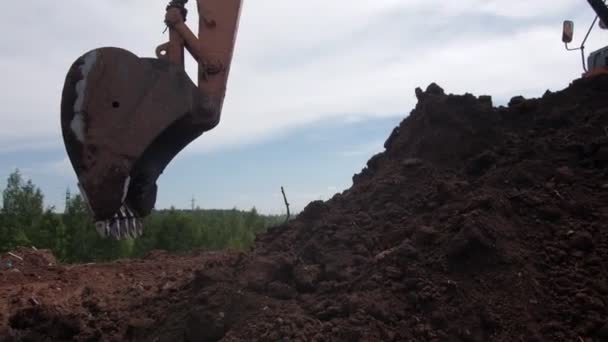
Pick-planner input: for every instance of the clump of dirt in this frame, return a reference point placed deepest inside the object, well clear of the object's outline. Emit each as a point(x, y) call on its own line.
point(476, 224)
point(27, 257)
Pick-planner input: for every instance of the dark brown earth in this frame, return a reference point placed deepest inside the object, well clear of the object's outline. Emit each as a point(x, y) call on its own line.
point(476, 224)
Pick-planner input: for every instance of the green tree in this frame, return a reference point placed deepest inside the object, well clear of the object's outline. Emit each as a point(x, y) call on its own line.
point(72, 236)
point(22, 208)
point(79, 230)
point(82, 244)
point(4, 232)
point(49, 233)
point(177, 232)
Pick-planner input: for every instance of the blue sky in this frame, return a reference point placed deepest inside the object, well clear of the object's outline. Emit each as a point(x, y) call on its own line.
point(312, 162)
point(315, 87)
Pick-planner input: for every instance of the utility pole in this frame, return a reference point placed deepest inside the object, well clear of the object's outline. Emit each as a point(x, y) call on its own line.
point(68, 196)
point(193, 203)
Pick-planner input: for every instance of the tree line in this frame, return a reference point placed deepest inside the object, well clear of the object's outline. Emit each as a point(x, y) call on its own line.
point(25, 221)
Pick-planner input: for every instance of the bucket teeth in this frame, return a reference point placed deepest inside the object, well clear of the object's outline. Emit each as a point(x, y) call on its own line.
point(125, 224)
point(103, 228)
point(132, 223)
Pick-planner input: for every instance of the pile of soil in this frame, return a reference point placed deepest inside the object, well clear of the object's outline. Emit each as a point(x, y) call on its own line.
point(476, 224)
point(24, 258)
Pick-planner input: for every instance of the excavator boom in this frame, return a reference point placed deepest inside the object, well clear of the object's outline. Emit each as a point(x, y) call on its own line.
point(124, 118)
point(600, 8)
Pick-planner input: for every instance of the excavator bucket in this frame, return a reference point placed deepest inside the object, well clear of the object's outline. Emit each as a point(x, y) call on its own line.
point(124, 118)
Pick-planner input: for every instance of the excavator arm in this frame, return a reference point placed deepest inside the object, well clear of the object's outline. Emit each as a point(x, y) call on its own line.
point(124, 118)
point(599, 6)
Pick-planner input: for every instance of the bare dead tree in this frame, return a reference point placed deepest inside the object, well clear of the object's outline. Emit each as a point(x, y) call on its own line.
point(286, 205)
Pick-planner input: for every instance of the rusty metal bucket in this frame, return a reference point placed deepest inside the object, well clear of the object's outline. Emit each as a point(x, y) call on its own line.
point(124, 118)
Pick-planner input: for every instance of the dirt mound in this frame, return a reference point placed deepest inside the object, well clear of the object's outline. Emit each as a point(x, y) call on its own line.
point(476, 224)
point(24, 258)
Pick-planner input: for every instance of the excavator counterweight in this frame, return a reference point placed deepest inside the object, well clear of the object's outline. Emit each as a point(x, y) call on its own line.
point(124, 118)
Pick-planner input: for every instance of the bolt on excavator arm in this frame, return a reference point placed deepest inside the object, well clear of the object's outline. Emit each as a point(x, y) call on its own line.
point(124, 118)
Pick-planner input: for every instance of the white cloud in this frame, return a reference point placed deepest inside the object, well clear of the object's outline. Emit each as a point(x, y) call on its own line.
point(297, 62)
point(525, 8)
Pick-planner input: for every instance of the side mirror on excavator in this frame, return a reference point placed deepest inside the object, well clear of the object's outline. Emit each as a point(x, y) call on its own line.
point(568, 31)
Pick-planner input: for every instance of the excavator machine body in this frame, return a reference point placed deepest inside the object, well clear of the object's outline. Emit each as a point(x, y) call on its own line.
point(124, 118)
point(597, 62)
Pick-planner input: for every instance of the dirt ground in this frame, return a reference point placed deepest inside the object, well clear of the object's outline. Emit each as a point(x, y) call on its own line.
point(477, 224)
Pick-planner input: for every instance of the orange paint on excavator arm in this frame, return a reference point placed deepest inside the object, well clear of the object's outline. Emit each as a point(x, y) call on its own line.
point(214, 47)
